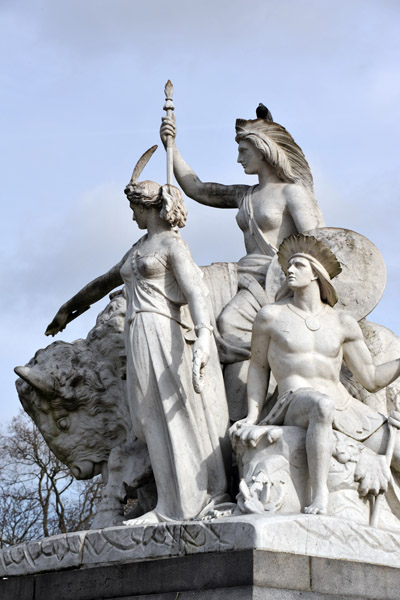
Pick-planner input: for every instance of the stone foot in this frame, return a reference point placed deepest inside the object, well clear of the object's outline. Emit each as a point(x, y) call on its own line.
point(319, 506)
point(149, 518)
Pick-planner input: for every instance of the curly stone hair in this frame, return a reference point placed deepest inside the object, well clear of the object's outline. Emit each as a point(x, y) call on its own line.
point(167, 198)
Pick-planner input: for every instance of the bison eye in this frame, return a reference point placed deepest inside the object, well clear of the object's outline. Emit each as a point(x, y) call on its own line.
point(63, 424)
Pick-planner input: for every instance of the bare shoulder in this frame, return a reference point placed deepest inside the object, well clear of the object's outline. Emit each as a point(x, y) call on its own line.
point(268, 314)
point(240, 192)
point(350, 327)
point(180, 259)
point(303, 207)
point(176, 247)
point(296, 193)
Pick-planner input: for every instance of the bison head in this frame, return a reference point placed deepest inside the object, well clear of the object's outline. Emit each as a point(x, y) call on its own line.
point(77, 399)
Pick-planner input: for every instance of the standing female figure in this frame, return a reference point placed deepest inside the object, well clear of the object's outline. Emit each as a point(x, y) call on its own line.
point(281, 204)
point(185, 432)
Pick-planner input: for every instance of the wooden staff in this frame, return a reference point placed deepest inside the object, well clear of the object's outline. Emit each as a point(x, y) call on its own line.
point(169, 108)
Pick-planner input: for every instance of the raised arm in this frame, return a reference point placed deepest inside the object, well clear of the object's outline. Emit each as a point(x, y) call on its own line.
point(358, 358)
point(92, 292)
point(303, 208)
point(210, 194)
point(259, 370)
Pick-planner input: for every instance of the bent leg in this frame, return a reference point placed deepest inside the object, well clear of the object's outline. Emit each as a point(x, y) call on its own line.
point(314, 411)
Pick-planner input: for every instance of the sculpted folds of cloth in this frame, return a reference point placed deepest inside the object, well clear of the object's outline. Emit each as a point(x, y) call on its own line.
point(152, 362)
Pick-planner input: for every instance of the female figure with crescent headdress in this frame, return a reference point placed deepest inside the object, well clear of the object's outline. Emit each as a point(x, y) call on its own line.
point(281, 204)
point(185, 430)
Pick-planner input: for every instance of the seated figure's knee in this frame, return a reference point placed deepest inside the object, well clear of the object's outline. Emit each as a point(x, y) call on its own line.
point(323, 407)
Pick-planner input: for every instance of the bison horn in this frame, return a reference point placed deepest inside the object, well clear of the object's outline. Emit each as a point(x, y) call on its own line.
point(46, 384)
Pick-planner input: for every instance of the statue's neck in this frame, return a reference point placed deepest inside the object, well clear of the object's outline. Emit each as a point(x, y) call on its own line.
point(155, 224)
point(267, 175)
point(308, 298)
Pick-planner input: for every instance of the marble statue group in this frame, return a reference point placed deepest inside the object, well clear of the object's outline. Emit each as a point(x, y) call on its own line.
point(255, 387)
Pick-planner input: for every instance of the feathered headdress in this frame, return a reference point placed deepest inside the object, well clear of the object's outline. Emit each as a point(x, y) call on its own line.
point(323, 261)
point(168, 198)
point(310, 247)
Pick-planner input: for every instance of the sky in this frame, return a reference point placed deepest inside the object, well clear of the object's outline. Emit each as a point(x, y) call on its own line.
point(82, 93)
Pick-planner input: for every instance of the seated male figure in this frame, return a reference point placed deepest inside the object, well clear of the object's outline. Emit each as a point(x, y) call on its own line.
point(302, 340)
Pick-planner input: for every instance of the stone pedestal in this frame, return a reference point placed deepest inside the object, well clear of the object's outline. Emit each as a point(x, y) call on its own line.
point(254, 557)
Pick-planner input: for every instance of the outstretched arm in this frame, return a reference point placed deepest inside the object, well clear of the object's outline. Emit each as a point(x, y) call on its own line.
point(92, 292)
point(358, 359)
point(210, 194)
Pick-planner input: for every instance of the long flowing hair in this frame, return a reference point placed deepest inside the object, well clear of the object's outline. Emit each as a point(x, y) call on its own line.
point(278, 148)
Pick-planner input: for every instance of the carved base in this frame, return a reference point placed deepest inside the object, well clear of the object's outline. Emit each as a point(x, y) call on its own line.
point(237, 558)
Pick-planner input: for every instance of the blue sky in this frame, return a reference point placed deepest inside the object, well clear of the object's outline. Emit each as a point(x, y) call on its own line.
point(81, 98)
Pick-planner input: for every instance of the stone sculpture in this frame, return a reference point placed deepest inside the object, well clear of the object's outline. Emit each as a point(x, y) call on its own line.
point(282, 203)
point(301, 340)
point(185, 430)
point(144, 342)
point(76, 395)
point(141, 400)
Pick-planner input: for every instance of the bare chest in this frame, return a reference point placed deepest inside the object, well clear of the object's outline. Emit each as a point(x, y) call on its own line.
point(266, 207)
point(292, 334)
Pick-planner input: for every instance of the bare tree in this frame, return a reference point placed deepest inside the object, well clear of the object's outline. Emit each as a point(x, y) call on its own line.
point(38, 494)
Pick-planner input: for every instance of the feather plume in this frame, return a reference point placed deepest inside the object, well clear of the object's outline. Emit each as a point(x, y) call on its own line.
point(308, 244)
point(141, 163)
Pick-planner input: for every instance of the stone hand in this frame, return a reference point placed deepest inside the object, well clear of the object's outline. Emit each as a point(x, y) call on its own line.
point(250, 434)
point(373, 474)
point(201, 354)
point(202, 346)
point(62, 318)
point(167, 129)
point(59, 322)
point(237, 428)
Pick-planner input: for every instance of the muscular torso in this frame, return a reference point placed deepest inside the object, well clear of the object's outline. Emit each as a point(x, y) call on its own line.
point(301, 358)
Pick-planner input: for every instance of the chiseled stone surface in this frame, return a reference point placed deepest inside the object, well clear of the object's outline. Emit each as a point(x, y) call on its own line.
point(303, 535)
point(329, 537)
point(342, 577)
point(187, 573)
point(140, 542)
point(240, 575)
point(50, 554)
